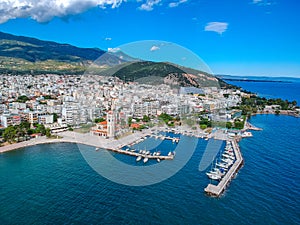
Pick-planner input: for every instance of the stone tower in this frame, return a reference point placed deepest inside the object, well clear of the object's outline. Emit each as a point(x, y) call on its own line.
point(111, 124)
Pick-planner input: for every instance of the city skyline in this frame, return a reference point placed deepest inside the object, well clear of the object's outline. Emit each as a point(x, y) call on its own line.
point(256, 37)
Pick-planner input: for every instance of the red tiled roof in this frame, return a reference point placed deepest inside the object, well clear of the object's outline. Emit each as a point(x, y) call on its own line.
point(135, 125)
point(103, 123)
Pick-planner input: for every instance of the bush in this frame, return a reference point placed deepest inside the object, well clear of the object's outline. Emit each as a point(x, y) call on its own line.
point(99, 120)
point(203, 126)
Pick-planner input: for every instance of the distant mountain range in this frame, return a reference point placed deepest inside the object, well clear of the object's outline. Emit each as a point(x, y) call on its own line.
point(20, 55)
point(25, 55)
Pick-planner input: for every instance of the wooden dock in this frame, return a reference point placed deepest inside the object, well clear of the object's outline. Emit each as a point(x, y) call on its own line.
point(217, 190)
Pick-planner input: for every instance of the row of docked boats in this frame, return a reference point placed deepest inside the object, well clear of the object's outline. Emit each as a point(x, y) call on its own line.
point(221, 166)
point(140, 157)
point(145, 153)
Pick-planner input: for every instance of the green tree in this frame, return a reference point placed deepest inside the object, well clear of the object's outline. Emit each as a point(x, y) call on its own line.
point(129, 121)
point(228, 125)
point(206, 121)
point(48, 133)
point(25, 125)
point(238, 124)
point(146, 119)
point(55, 116)
point(165, 117)
point(40, 128)
point(99, 120)
point(30, 131)
point(10, 134)
point(22, 99)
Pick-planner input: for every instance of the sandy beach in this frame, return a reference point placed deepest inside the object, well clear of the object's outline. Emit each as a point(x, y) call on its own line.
point(101, 142)
point(73, 137)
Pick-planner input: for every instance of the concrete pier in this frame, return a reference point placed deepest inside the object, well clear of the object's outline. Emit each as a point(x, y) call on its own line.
point(174, 139)
point(161, 157)
point(217, 190)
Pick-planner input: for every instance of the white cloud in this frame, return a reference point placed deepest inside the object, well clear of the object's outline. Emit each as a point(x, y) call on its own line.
point(45, 10)
point(154, 48)
point(175, 4)
point(264, 2)
point(219, 27)
point(113, 50)
point(108, 39)
point(148, 5)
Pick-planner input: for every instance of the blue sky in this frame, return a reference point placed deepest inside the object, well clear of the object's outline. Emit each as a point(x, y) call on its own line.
point(238, 37)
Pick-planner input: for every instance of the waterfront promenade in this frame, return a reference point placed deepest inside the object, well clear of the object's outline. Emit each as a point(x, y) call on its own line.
point(78, 138)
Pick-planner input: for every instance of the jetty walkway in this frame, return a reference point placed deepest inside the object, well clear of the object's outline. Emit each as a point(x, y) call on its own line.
point(217, 190)
point(137, 154)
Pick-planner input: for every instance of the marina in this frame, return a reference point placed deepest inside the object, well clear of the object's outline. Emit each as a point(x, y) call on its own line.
point(217, 190)
point(227, 166)
point(170, 156)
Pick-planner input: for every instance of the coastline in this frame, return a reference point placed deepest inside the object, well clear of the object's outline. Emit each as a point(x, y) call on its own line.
point(272, 112)
point(77, 138)
point(92, 140)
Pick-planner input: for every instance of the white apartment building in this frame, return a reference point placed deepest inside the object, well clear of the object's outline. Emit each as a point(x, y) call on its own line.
point(45, 119)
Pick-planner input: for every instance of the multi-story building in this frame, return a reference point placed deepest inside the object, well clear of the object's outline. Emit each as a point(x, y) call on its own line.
point(45, 119)
point(10, 119)
point(33, 117)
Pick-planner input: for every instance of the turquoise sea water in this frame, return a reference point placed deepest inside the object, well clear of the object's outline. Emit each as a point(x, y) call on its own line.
point(53, 184)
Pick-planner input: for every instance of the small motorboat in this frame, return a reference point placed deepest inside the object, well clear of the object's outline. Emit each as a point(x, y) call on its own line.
point(145, 160)
point(138, 158)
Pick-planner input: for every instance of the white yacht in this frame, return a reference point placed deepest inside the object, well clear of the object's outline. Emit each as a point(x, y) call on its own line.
point(214, 177)
point(228, 156)
point(222, 165)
